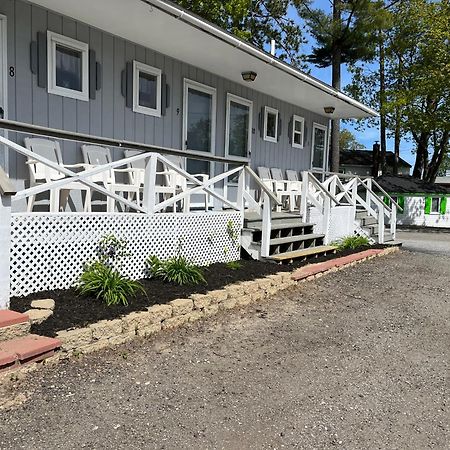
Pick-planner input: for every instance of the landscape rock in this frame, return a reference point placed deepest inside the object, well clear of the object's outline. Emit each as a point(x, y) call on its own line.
point(181, 306)
point(47, 303)
point(38, 316)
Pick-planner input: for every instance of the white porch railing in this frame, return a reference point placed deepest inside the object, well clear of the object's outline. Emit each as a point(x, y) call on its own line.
point(356, 192)
point(153, 204)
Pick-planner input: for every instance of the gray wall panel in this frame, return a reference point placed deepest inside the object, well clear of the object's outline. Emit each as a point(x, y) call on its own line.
point(108, 115)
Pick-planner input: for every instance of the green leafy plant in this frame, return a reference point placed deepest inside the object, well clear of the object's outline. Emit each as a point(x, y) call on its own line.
point(233, 265)
point(107, 284)
point(175, 270)
point(101, 277)
point(351, 242)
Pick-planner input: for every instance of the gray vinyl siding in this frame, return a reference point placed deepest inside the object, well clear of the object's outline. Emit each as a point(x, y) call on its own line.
point(108, 116)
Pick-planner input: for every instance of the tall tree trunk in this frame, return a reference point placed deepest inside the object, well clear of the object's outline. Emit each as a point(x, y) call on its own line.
point(382, 164)
point(422, 154)
point(397, 138)
point(336, 59)
point(440, 150)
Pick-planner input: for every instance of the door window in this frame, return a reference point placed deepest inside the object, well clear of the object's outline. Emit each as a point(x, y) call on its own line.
point(199, 123)
point(238, 127)
point(319, 146)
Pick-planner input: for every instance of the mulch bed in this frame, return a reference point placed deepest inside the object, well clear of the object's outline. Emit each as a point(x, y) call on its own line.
point(73, 311)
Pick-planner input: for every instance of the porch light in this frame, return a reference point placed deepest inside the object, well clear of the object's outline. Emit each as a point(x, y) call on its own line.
point(249, 76)
point(329, 109)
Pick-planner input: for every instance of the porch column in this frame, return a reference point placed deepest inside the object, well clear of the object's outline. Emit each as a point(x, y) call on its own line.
point(6, 191)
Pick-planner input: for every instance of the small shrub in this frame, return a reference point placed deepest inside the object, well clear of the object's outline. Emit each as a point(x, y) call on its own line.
point(352, 242)
point(105, 283)
point(233, 265)
point(175, 270)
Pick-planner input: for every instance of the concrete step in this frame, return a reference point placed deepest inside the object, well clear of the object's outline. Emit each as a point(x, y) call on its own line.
point(252, 216)
point(25, 350)
point(13, 325)
point(298, 238)
point(367, 221)
point(312, 252)
point(277, 225)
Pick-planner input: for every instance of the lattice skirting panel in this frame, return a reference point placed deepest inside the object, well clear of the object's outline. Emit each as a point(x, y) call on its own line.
point(49, 250)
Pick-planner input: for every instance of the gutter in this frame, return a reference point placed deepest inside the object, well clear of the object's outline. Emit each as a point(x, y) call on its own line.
point(197, 22)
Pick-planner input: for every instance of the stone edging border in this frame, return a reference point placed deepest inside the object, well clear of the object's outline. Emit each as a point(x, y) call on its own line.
point(108, 333)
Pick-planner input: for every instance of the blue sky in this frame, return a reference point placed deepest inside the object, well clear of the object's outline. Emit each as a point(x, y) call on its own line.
point(369, 135)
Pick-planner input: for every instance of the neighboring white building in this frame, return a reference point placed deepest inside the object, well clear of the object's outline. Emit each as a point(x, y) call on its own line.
point(424, 204)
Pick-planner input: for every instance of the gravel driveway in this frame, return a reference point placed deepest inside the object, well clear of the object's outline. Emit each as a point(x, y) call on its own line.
point(354, 360)
point(433, 242)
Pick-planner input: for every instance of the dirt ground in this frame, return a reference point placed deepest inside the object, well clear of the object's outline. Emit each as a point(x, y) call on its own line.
point(357, 359)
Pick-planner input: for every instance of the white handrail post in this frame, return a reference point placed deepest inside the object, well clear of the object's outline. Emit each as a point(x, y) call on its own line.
point(333, 186)
point(355, 191)
point(380, 221)
point(5, 249)
point(368, 194)
point(393, 221)
point(150, 183)
point(266, 225)
point(326, 218)
point(241, 189)
point(304, 196)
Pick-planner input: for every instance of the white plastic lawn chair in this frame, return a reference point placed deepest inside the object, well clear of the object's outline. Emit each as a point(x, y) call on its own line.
point(168, 189)
point(295, 186)
point(94, 156)
point(283, 187)
point(41, 174)
point(183, 184)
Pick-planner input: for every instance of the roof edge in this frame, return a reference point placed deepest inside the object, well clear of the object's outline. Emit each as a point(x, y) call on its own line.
point(210, 28)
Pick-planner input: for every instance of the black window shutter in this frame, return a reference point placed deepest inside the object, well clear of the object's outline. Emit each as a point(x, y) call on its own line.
point(164, 94)
point(98, 76)
point(290, 130)
point(129, 85)
point(92, 75)
point(42, 59)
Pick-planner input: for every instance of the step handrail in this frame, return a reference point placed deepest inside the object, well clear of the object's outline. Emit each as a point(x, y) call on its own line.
point(318, 184)
point(387, 195)
point(261, 185)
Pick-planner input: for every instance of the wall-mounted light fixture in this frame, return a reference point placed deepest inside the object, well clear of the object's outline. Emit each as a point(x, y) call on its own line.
point(249, 76)
point(329, 109)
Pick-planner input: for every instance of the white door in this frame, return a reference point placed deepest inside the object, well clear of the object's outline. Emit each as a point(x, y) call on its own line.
point(3, 87)
point(238, 138)
point(319, 146)
point(199, 127)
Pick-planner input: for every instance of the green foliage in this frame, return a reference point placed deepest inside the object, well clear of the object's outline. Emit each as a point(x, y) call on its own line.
point(414, 61)
point(102, 279)
point(351, 27)
point(351, 243)
point(105, 283)
point(348, 141)
point(256, 21)
point(234, 265)
point(111, 250)
point(175, 270)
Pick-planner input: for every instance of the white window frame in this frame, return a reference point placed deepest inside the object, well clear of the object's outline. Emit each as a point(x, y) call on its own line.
point(245, 102)
point(54, 39)
point(139, 67)
point(267, 110)
point(207, 90)
point(325, 152)
point(300, 119)
point(438, 212)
